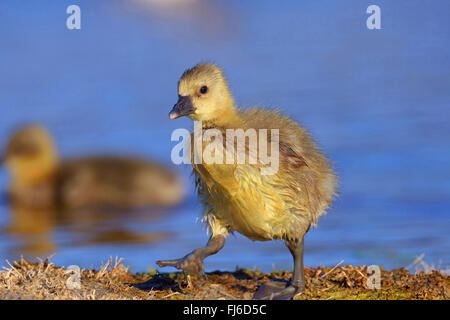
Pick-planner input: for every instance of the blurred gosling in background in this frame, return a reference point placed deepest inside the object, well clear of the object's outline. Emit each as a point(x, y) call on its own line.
point(40, 179)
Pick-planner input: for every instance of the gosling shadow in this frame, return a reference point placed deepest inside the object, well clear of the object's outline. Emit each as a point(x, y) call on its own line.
point(158, 282)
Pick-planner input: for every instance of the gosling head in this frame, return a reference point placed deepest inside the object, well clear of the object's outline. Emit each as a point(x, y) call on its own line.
point(30, 155)
point(203, 94)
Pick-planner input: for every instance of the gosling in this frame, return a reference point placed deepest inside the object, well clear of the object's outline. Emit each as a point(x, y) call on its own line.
point(237, 197)
point(40, 180)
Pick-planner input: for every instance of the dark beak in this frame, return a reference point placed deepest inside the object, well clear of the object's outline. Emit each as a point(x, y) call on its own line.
point(182, 108)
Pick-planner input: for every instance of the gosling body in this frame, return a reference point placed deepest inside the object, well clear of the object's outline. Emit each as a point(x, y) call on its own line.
point(282, 205)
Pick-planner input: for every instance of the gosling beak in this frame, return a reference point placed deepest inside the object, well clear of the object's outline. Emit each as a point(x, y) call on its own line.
point(182, 108)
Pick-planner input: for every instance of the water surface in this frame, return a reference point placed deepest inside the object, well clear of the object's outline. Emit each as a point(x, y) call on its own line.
point(376, 101)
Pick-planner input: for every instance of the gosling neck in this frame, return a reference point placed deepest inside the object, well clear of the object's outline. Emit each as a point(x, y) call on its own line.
point(228, 118)
point(34, 172)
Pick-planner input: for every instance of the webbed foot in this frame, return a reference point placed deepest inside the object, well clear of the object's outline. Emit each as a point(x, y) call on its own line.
point(190, 263)
point(275, 290)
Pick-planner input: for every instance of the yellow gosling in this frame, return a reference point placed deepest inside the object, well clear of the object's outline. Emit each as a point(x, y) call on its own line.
point(40, 179)
point(238, 197)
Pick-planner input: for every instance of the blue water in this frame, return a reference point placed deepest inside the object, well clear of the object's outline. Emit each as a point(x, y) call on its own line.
point(377, 101)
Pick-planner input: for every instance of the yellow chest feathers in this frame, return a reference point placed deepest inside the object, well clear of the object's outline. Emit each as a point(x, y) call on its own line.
point(258, 206)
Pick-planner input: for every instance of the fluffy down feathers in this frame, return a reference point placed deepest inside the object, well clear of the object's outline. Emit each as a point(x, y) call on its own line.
point(237, 197)
point(264, 207)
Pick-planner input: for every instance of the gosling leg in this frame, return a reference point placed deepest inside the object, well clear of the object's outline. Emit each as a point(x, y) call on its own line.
point(298, 281)
point(279, 291)
point(193, 262)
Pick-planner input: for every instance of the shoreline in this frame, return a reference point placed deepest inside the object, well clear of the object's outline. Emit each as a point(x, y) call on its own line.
point(45, 280)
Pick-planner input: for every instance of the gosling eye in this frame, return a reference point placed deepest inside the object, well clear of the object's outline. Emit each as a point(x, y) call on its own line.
point(203, 89)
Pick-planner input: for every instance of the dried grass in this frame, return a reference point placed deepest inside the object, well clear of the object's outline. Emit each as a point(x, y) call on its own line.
point(44, 280)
